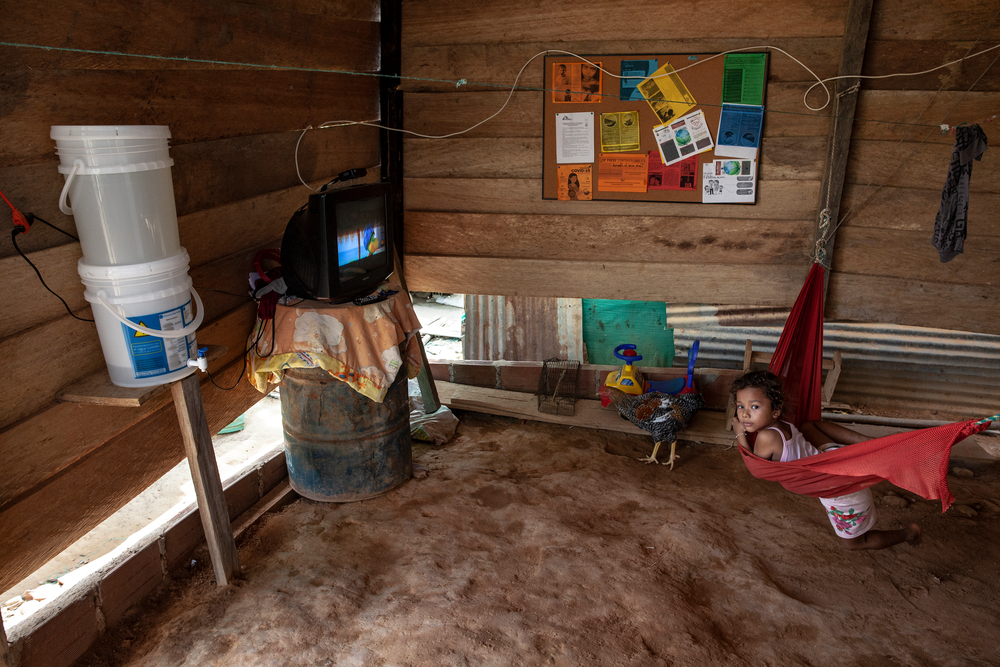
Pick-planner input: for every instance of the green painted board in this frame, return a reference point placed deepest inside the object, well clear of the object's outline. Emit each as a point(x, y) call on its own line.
point(608, 323)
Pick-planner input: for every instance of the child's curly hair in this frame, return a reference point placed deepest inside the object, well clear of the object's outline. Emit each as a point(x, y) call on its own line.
point(766, 381)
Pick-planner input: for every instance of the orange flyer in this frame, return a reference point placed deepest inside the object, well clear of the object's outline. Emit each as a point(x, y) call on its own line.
point(622, 173)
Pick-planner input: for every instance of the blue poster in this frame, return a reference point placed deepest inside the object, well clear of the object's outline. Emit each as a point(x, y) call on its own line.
point(640, 69)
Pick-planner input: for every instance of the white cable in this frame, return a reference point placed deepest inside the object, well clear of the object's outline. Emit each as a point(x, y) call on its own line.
point(819, 82)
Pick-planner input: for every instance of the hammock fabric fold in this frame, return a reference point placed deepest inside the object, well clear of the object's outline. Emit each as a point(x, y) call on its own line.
point(916, 460)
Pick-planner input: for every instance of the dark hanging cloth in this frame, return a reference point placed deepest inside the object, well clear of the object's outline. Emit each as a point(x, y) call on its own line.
point(951, 222)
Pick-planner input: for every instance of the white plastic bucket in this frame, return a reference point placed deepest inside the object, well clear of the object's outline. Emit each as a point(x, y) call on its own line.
point(119, 190)
point(144, 319)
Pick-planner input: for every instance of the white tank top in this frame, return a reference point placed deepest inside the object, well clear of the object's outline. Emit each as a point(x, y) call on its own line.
point(796, 447)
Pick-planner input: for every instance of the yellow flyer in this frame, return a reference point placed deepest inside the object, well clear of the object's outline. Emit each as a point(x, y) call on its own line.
point(666, 93)
point(620, 132)
point(622, 173)
point(576, 182)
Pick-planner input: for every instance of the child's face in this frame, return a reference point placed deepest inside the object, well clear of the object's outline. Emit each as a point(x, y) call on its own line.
point(754, 409)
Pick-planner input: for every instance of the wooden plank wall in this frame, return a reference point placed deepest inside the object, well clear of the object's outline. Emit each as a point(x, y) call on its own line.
point(885, 268)
point(67, 467)
point(476, 223)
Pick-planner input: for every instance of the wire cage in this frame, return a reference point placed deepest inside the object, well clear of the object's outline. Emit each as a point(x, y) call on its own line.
point(557, 387)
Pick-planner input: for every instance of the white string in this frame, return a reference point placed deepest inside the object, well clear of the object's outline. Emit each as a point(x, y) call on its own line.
point(513, 88)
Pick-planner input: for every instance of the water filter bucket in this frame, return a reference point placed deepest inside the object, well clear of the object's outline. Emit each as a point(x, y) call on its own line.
point(144, 318)
point(119, 190)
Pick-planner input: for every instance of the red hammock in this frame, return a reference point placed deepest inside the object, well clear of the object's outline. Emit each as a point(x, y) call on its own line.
point(916, 461)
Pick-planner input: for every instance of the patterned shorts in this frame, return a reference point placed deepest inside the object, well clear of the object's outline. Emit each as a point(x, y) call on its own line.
point(851, 515)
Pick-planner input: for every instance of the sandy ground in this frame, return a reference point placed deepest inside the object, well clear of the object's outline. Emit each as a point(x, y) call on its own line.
point(534, 544)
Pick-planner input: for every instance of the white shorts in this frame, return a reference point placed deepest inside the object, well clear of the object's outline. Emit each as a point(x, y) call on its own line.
point(851, 515)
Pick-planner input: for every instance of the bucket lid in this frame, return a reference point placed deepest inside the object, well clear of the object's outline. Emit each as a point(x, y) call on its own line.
point(85, 132)
point(111, 149)
point(176, 262)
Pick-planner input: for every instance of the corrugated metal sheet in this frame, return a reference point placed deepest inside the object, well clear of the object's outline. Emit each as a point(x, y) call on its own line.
point(885, 366)
point(518, 328)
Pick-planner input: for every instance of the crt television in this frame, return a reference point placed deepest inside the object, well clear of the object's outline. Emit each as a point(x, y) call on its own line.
point(339, 245)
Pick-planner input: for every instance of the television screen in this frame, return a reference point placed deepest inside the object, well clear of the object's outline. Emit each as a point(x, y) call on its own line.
point(360, 235)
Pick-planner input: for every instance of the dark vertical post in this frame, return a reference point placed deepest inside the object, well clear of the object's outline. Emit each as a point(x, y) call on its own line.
point(5, 658)
point(391, 106)
point(845, 98)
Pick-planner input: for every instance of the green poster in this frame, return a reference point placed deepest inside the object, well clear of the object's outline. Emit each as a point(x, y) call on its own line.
point(743, 77)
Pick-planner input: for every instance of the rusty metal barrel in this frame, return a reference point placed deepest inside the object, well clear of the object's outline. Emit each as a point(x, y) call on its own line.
point(341, 446)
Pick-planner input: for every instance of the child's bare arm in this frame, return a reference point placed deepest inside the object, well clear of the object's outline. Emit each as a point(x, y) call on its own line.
point(768, 445)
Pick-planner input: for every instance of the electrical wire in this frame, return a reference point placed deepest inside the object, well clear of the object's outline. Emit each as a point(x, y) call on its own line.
point(13, 238)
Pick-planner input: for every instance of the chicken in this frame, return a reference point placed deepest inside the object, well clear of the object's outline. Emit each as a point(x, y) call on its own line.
point(660, 414)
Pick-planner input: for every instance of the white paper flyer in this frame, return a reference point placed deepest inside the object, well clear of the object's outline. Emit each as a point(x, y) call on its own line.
point(575, 137)
point(686, 136)
point(728, 182)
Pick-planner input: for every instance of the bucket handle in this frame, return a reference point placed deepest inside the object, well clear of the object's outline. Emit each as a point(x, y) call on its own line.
point(63, 206)
point(180, 333)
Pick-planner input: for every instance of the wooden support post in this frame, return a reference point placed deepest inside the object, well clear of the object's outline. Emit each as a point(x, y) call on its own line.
point(845, 98)
point(428, 391)
point(205, 474)
point(5, 658)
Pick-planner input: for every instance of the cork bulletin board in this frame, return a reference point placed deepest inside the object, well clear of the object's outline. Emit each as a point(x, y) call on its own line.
point(654, 135)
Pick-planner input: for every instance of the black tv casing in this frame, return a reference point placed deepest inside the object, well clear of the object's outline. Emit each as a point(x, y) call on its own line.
point(309, 262)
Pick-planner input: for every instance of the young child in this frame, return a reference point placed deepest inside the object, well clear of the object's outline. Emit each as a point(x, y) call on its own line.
point(759, 401)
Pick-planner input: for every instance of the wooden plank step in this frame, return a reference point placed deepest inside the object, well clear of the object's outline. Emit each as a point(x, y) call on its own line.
point(98, 389)
point(707, 426)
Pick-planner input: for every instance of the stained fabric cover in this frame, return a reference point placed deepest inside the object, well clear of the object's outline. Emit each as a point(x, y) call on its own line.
point(916, 461)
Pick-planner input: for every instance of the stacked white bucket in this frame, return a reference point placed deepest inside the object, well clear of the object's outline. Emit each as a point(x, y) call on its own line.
point(119, 190)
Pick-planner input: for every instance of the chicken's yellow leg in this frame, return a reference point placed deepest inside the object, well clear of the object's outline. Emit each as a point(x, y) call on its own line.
point(670, 462)
point(652, 457)
point(673, 456)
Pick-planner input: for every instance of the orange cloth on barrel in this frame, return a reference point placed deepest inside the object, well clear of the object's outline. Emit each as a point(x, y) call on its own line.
point(357, 344)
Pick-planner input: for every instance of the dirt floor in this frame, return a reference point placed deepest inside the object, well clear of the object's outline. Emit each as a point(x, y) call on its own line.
point(534, 544)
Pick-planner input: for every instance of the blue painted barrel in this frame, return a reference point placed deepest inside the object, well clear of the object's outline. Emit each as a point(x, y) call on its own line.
point(341, 446)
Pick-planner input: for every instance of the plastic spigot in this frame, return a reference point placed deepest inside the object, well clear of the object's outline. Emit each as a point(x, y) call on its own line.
point(201, 363)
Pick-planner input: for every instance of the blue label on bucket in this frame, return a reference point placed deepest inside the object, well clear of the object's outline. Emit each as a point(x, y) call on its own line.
point(152, 356)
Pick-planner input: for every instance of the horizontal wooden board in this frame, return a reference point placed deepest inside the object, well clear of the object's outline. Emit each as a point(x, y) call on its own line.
point(43, 522)
point(223, 33)
point(595, 238)
point(910, 255)
point(54, 438)
point(936, 19)
point(494, 66)
point(455, 22)
point(915, 165)
point(778, 200)
point(206, 175)
point(207, 235)
point(917, 115)
point(896, 56)
point(924, 304)
point(439, 114)
point(706, 426)
point(912, 210)
point(196, 105)
point(788, 158)
point(679, 283)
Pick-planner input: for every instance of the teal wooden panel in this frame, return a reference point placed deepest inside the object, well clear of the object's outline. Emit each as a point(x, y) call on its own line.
point(608, 323)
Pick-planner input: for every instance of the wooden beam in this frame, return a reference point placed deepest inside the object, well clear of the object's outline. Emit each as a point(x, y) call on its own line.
point(707, 426)
point(638, 281)
point(98, 389)
point(205, 475)
point(5, 658)
point(844, 101)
